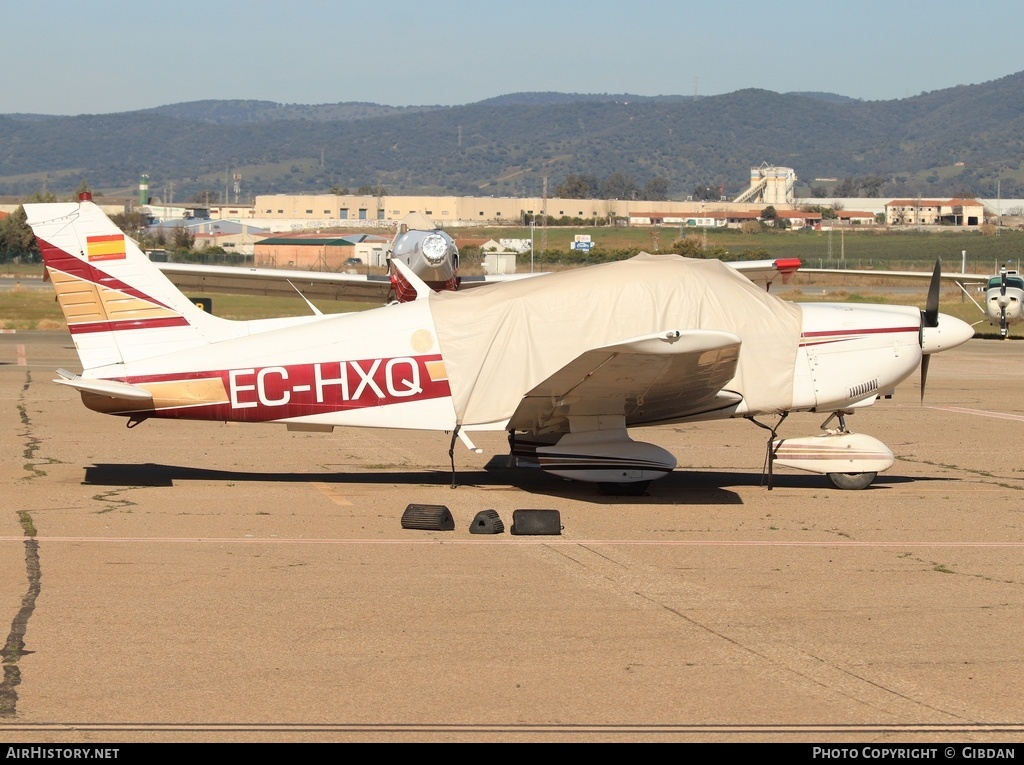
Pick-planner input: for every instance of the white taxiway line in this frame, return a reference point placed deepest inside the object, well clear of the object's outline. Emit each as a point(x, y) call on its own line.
point(539, 539)
point(980, 413)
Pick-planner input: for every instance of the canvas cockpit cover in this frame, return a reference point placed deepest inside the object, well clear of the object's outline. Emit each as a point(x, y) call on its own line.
point(500, 341)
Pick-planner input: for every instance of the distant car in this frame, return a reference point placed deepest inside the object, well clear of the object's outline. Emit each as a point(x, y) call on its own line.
point(353, 262)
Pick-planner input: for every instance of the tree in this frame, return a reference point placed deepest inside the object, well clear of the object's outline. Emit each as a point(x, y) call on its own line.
point(133, 223)
point(576, 187)
point(705, 192)
point(694, 246)
point(16, 237)
point(827, 212)
point(45, 197)
point(872, 186)
point(771, 215)
point(619, 186)
point(183, 238)
point(656, 189)
point(848, 187)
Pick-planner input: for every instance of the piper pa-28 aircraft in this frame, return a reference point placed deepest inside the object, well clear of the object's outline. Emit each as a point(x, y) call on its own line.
point(565, 363)
point(1004, 291)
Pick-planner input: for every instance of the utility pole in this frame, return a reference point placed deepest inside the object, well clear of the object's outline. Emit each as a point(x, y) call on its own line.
point(544, 223)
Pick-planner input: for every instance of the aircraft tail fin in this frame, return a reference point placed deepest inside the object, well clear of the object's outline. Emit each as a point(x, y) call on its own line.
point(119, 307)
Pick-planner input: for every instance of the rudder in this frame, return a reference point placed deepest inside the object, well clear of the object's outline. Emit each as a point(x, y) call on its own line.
point(119, 307)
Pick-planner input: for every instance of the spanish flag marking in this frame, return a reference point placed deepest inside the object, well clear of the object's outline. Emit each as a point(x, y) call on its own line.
point(106, 247)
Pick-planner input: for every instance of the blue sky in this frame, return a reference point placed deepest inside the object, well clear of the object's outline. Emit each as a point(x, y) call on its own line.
point(99, 57)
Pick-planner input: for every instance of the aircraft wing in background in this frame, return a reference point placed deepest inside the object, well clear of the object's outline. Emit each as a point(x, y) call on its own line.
point(765, 272)
point(314, 285)
point(958, 278)
point(332, 285)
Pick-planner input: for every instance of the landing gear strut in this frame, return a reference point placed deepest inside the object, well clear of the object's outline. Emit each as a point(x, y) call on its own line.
point(773, 445)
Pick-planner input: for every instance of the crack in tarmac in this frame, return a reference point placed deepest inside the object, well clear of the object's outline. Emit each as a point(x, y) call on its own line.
point(14, 645)
point(617, 573)
point(113, 502)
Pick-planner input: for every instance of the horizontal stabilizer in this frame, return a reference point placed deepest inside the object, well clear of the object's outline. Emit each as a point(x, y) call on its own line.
point(110, 388)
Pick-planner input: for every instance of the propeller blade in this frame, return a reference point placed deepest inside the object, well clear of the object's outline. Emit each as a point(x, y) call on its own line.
point(930, 317)
point(931, 307)
point(924, 374)
point(1002, 283)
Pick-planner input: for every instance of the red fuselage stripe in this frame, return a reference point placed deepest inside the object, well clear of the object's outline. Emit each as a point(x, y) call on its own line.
point(56, 258)
point(121, 326)
point(260, 394)
point(857, 332)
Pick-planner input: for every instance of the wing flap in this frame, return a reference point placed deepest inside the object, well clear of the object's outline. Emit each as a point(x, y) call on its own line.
point(653, 378)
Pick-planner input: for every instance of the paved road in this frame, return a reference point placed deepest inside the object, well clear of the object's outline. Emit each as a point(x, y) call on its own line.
point(211, 582)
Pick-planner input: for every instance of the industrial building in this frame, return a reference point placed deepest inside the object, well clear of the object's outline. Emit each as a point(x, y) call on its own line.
point(935, 212)
point(280, 212)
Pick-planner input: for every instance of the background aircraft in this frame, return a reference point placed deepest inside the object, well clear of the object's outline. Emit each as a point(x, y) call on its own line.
point(565, 363)
point(1004, 297)
point(1004, 292)
point(424, 248)
point(428, 252)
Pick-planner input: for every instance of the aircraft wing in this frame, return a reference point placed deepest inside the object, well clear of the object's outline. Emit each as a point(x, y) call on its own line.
point(237, 280)
point(764, 272)
point(958, 278)
point(331, 285)
point(654, 378)
point(314, 285)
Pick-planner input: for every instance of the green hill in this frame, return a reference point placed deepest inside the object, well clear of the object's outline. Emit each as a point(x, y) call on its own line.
point(961, 140)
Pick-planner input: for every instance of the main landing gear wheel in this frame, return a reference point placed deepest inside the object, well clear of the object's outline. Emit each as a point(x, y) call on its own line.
point(851, 481)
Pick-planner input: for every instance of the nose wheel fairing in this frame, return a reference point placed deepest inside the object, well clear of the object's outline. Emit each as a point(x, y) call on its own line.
point(850, 460)
point(827, 453)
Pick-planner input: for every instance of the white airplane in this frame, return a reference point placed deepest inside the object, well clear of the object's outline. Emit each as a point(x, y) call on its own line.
point(1004, 300)
point(1004, 291)
point(565, 363)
